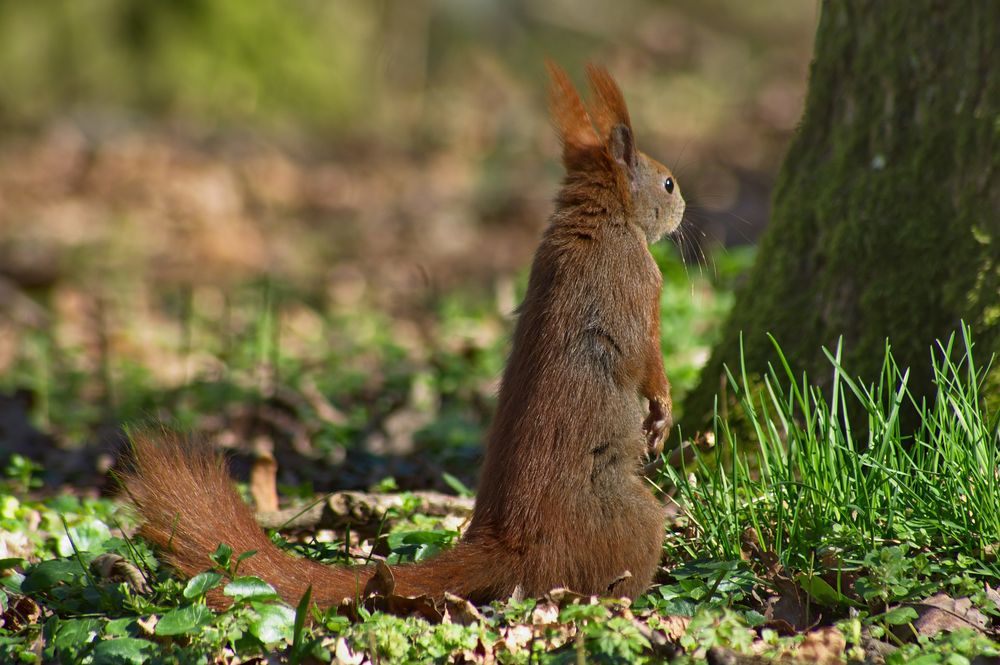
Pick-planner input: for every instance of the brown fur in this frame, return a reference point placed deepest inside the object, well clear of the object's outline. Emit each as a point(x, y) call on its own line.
point(609, 106)
point(561, 499)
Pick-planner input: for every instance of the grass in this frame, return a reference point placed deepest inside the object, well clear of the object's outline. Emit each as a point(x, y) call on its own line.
point(814, 481)
point(819, 510)
point(858, 516)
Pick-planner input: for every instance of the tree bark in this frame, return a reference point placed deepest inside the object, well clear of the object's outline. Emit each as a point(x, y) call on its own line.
point(885, 221)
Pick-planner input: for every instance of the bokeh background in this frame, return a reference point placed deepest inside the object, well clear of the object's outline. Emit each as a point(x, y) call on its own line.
point(308, 223)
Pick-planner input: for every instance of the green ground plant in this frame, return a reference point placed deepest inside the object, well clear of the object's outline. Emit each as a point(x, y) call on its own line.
point(811, 475)
point(856, 520)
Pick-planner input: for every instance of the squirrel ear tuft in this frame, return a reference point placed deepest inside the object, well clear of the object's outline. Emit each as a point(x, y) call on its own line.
point(607, 105)
point(569, 115)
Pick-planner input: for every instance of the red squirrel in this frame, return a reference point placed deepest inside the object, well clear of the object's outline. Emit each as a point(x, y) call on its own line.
point(561, 500)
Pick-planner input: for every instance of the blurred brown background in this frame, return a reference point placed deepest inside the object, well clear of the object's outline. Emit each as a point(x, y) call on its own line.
point(402, 146)
point(156, 158)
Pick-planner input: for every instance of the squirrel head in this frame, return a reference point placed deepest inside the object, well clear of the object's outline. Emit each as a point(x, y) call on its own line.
point(599, 145)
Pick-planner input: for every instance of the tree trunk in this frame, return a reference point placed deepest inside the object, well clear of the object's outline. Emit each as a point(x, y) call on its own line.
point(886, 221)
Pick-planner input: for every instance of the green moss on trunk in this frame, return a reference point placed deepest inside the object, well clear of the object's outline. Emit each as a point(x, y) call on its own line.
point(886, 221)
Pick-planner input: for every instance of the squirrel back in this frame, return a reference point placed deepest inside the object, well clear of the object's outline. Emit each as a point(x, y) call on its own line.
point(561, 500)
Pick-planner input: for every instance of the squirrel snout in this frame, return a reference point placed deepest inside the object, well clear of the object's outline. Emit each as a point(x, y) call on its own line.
point(676, 215)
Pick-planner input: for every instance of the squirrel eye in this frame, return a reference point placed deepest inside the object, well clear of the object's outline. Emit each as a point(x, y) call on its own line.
point(668, 185)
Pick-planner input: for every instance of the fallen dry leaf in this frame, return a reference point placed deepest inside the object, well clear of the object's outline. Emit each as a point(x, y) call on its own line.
point(824, 646)
point(875, 650)
point(148, 624)
point(674, 627)
point(941, 613)
point(546, 612)
point(115, 568)
point(723, 656)
point(612, 588)
point(663, 633)
point(516, 637)
point(563, 597)
point(16, 545)
point(379, 595)
point(993, 594)
point(482, 654)
point(781, 627)
point(343, 655)
point(459, 610)
point(405, 606)
point(788, 612)
point(21, 612)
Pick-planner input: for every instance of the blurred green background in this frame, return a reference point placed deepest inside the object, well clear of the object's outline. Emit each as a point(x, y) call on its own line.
point(207, 203)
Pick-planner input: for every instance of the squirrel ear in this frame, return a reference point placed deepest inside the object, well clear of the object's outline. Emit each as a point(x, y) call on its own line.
point(607, 106)
point(570, 116)
point(621, 145)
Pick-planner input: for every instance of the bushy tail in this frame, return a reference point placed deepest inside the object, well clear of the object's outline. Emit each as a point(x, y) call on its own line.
point(189, 506)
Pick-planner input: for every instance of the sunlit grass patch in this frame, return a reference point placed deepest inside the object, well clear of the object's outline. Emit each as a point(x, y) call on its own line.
point(815, 477)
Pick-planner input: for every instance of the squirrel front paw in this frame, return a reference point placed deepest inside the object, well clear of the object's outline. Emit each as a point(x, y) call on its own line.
point(657, 424)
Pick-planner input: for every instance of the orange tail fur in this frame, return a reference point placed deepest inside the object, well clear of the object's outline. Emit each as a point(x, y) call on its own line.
point(189, 505)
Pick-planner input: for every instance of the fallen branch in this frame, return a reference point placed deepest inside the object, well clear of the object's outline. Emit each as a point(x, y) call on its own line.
point(364, 511)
